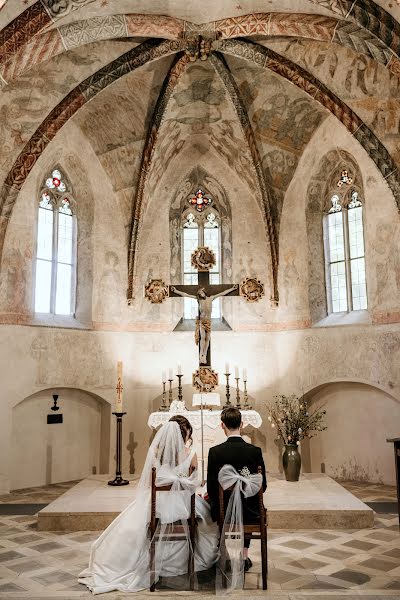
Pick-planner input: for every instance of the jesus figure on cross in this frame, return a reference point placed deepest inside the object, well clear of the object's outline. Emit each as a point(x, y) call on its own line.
point(203, 321)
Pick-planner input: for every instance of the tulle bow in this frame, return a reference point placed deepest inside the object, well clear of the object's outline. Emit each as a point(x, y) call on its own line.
point(247, 484)
point(180, 480)
point(231, 569)
point(175, 503)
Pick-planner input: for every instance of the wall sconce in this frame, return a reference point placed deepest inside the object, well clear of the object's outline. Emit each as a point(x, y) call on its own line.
point(54, 418)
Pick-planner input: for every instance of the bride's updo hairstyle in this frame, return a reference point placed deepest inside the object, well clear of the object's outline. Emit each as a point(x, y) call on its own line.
point(184, 425)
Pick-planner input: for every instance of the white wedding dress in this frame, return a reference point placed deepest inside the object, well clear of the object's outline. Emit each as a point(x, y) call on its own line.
point(119, 558)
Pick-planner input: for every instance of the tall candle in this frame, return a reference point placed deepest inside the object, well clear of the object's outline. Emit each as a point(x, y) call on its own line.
point(226, 367)
point(236, 372)
point(179, 371)
point(244, 374)
point(118, 402)
point(164, 376)
point(171, 376)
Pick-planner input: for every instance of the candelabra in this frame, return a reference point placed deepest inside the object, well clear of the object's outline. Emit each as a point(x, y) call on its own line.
point(164, 406)
point(238, 405)
point(246, 405)
point(180, 396)
point(170, 392)
point(227, 393)
point(118, 475)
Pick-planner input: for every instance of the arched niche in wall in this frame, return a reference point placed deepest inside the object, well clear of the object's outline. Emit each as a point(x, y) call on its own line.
point(359, 418)
point(42, 454)
point(323, 184)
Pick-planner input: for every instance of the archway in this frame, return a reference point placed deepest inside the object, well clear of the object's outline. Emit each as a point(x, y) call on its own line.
point(42, 454)
point(359, 418)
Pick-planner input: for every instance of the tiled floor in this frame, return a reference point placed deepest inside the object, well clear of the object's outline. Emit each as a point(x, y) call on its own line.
point(37, 495)
point(337, 565)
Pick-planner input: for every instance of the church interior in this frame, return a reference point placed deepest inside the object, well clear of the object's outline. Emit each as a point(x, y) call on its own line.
point(133, 132)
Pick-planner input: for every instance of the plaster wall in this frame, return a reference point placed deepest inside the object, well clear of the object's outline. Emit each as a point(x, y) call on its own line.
point(277, 362)
point(356, 412)
point(42, 454)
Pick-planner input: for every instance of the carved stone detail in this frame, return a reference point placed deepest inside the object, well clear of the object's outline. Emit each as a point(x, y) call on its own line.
point(251, 289)
point(205, 379)
point(203, 258)
point(156, 291)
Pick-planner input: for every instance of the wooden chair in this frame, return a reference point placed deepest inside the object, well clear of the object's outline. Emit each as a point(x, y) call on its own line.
point(258, 530)
point(176, 530)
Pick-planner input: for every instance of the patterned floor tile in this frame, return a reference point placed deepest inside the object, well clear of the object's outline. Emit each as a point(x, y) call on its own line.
point(54, 577)
point(379, 564)
point(297, 544)
point(359, 545)
point(10, 555)
point(47, 546)
point(355, 577)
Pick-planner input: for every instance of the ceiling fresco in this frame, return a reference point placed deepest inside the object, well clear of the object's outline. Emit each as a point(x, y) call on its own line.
point(178, 80)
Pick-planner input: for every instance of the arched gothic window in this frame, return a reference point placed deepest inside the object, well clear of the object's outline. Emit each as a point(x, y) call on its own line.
point(344, 249)
point(55, 248)
point(200, 227)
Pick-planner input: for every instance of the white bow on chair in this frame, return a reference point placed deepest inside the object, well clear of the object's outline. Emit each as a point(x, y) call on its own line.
point(175, 502)
point(232, 535)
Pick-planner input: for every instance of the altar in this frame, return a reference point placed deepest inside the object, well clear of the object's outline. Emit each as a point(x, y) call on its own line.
point(213, 432)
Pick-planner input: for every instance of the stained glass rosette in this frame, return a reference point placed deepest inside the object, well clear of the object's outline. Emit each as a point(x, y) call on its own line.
point(200, 201)
point(344, 179)
point(55, 182)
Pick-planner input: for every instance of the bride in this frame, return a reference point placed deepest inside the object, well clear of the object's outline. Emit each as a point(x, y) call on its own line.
point(119, 558)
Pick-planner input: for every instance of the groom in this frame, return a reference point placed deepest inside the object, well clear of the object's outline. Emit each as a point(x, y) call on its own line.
point(238, 453)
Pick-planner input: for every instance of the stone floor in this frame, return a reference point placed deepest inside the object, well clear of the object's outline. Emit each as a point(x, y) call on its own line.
point(334, 565)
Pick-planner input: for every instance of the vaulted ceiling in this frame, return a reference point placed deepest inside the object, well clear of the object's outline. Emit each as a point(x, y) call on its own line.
point(249, 80)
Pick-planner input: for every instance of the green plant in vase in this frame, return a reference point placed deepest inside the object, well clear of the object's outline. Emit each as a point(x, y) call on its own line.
point(294, 421)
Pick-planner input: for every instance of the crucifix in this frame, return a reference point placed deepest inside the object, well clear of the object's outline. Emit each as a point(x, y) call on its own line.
point(203, 259)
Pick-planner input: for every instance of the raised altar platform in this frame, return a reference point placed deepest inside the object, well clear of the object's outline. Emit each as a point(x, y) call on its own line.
point(315, 502)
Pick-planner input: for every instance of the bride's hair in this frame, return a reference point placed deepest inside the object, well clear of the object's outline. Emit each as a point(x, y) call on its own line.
point(184, 425)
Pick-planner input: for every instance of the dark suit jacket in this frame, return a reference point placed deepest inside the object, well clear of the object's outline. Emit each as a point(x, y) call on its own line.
point(238, 453)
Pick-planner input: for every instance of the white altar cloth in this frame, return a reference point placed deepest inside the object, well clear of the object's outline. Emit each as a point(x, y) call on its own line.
point(211, 418)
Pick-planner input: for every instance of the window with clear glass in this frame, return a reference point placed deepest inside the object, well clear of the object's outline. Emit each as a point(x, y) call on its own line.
point(201, 227)
point(55, 248)
point(344, 252)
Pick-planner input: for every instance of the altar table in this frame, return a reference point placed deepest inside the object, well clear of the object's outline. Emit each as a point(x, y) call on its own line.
point(213, 432)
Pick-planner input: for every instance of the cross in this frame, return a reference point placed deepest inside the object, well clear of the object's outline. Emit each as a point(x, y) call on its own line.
point(205, 293)
point(203, 259)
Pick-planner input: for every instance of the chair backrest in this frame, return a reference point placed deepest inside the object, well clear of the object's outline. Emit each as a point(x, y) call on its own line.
point(221, 499)
point(166, 488)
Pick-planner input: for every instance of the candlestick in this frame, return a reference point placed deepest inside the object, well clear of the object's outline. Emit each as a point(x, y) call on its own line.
point(164, 398)
point(238, 405)
point(179, 370)
point(170, 390)
point(244, 371)
point(118, 401)
point(236, 372)
point(227, 393)
point(164, 377)
point(245, 397)
point(118, 475)
point(179, 375)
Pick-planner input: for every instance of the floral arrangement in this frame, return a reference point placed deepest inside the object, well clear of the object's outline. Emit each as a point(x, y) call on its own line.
point(293, 420)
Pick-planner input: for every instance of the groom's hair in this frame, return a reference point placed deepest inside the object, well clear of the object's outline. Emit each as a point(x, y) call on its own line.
point(231, 418)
